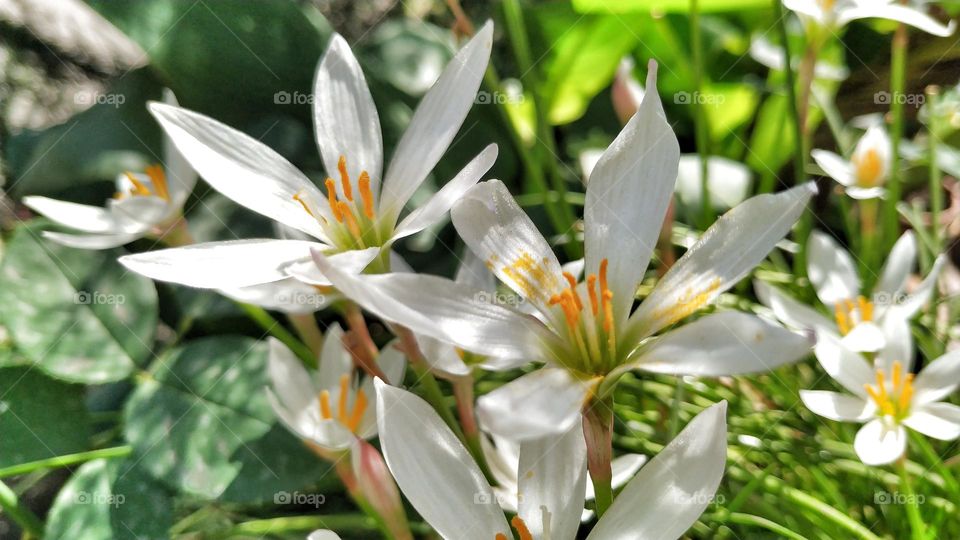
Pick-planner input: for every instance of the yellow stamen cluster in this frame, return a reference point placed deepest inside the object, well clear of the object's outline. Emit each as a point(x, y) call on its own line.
point(356, 216)
point(849, 313)
point(601, 311)
point(893, 398)
point(350, 418)
point(868, 169)
point(520, 526)
point(158, 181)
point(690, 301)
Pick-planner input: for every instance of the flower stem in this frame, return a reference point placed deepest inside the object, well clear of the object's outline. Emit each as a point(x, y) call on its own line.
point(365, 352)
point(701, 128)
point(277, 330)
point(12, 507)
point(935, 178)
point(306, 326)
point(598, 432)
point(917, 527)
point(65, 461)
point(869, 238)
point(898, 74)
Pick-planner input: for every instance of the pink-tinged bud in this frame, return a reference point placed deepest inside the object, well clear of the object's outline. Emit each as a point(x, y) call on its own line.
point(626, 92)
point(378, 488)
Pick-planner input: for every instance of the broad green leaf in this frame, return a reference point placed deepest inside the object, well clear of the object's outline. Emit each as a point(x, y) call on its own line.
point(110, 499)
point(202, 407)
point(40, 417)
point(772, 142)
point(77, 314)
point(665, 6)
point(734, 105)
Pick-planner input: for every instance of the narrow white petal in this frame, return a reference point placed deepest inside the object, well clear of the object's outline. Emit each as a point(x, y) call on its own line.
point(939, 379)
point(896, 271)
point(353, 261)
point(435, 122)
point(845, 366)
point(790, 312)
point(879, 444)
point(473, 272)
point(344, 117)
point(437, 207)
point(433, 469)
point(837, 406)
point(834, 166)
point(861, 194)
point(545, 402)
point(627, 198)
point(726, 343)
point(214, 265)
point(864, 337)
point(921, 295)
point(242, 168)
point(90, 241)
point(290, 380)
point(140, 213)
point(727, 252)
point(287, 295)
point(938, 420)
point(442, 357)
point(181, 178)
point(83, 217)
point(623, 468)
point(896, 342)
point(444, 310)
point(896, 12)
point(673, 489)
point(499, 232)
point(335, 361)
point(552, 477)
point(831, 270)
point(323, 534)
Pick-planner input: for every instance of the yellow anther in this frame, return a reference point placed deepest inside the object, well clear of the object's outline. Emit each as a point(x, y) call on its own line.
point(366, 195)
point(500, 536)
point(522, 531)
point(299, 198)
point(573, 289)
point(325, 405)
point(866, 308)
point(350, 220)
point(849, 313)
point(345, 178)
point(332, 200)
point(359, 406)
point(608, 311)
point(842, 318)
point(893, 400)
point(139, 188)
point(868, 169)
point(342, 402)
point(897, 368)
point(591, 283)
point(159, 181)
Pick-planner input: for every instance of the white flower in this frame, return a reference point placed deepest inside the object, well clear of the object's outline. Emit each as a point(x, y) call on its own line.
point(145, 204)
point(771, 56)
point(357, 217)
point(863, 321)
point(867, 170)
point(584, 330)
point(887, 398)
point(327, 407)
point(835, 14)
point(440, 479)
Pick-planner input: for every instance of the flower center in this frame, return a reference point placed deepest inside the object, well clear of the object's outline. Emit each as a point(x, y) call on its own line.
point(354, 219)
point(892, 397)
point(522, 531)
point(849, 313)
point(596, 337)
point(868, 169)
point(157, 188)
point(826, 5)
point(349, 418)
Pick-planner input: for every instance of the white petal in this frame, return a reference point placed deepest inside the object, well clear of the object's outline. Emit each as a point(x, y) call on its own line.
point(499, 232)
point(627, 198)
point(214, 265)
point(809, 8)
point(938, 420)
point(437, 207)
point(140, 213)
point(545, 402)
point(344, 117)
point(878, 444)
point(83, 217)
point(181, 178)
point(672, 490)
point(435, 122)
point(939, 379)
point(290, 380)
point(831, 270)
point(728, 182)
point(864, 337)
point(442, 309)
point(242, 168)
point(896, 12)
point(845, 366)
point(90, 241)
point(473, 272)
point(726, 343)
point(896, 271)
point(861, 194)
point(442, 357)
point(837, 406)
point(919, 297)
point(433, 469)
point(789, 311)
point(552, 477)
point(323, 534)
point(897, 342)
point(623, 468)
point(727, 252)
point(287, 295)
point(352, 261)
point(335, 361)
point(834, 166)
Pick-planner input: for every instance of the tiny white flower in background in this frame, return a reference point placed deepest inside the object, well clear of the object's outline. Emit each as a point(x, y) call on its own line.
point(886, 397)
point(145, 204)
point(862, 320)
point(867, 170)
point(771, 56)
point(357, 217)
point(584, 330)
point(833, 15)
point(327, 408)
point(445, 485)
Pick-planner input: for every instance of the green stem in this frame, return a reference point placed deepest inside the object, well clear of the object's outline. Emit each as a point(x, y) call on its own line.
point(936, 198)
point(763, 523)
point(262, 528)
point(917, 527)
point(65, 461)
point(598, 433)
point(306, 326)
point(277, 330)
point(701, 129)
point(12, 507)
point(898, 74)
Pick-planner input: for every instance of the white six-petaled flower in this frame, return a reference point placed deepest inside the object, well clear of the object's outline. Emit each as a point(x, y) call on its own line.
point(833, 15)
point(865, 173)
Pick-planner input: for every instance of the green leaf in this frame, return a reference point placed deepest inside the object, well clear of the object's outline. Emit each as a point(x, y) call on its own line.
point(204, 405)
point(408, 54)
point(733, 106)
point(77, 314)
point(40, 417)
point(110, 499)
point(772, 142)
point(665, 6)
